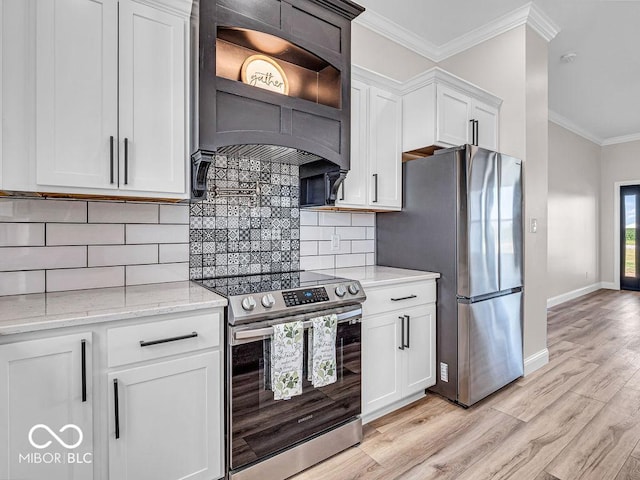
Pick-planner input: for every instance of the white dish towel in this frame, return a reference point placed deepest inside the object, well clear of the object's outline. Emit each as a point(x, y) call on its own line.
point(322, 350)
point(286, 360)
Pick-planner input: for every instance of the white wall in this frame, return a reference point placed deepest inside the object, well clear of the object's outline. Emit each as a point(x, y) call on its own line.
point(574, 196)
point(619, 164)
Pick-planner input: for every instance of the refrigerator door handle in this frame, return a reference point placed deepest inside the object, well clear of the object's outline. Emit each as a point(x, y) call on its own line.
point(401, 347)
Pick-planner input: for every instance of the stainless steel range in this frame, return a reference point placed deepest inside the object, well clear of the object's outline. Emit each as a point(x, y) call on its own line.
point(270, 439)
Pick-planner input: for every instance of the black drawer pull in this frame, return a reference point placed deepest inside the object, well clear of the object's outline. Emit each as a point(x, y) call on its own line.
point(116, 407)
point(83, 344)
point(404, 298)
point(166, 340)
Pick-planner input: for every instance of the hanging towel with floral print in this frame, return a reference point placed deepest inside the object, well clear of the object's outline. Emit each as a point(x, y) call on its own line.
point(322, 350)
point(286, 360)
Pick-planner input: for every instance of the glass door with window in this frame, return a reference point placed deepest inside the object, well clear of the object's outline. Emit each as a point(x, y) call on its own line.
point(629, 251)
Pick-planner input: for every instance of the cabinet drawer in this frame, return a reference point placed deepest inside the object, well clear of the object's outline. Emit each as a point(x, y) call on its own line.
point(401, 296)
point(153, 340)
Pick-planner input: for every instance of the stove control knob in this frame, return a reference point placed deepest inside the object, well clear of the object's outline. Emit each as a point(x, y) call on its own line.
point(248, 303)
point(268, 301)
point(341, 291)
point(354, 289)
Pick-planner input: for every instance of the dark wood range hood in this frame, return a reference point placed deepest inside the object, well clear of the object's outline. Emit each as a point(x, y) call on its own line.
point(310, 125)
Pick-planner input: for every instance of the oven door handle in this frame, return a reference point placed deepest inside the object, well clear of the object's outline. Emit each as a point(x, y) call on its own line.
point(268, 331)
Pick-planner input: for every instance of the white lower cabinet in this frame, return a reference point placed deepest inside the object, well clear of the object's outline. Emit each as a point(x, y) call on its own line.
point(166, 420)
point(398, 347)
point(46, 408)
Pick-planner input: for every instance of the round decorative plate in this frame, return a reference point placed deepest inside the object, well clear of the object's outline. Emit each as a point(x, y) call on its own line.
point(263, 72)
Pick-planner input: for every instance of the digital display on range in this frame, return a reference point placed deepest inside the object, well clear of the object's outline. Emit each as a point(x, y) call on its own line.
point(293, 298)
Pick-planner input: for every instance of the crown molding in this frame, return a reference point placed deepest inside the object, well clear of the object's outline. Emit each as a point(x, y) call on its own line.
point(572, 127)
point(397, 33)
point(622, 139)
point(376, 79)
point(528, 14)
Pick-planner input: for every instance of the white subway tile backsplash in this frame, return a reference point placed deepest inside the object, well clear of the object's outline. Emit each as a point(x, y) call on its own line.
point(157, 234)
point(164, 272)
point(316, 233)
point(42, 258)
point(83, 278)
point(120, 212)
point(308, 248)
point(371, 233)
point(85, 234)
point(371, 259)
point(334, 218)
point(174, 214)
point(352, 233)
point(21, 234)
point(103, 255)
point(319, 262)
point(17, 283)
point(308, 217)
point(363, 219)
point(363, 246)
point(353, 260)
point(324, 248)
point(41, 210)
point(174, 252)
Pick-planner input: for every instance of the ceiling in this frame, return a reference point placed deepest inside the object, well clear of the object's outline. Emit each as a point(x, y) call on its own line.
point(597, 95)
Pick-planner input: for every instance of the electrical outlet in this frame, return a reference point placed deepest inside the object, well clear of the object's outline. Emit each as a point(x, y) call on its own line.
point(444, 372)
point(335, 242)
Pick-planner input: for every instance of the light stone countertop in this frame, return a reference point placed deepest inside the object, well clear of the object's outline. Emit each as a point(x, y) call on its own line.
point(42, 311)
point(377, 276)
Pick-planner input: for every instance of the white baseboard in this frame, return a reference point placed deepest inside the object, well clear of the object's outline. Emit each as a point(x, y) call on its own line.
point(565, 297)
point(370, 416)
point(536, 361)
point(609, 286)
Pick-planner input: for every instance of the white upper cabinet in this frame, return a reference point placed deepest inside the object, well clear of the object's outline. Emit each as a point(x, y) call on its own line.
point(103, 109)
point(374, 181)
point(442, 110)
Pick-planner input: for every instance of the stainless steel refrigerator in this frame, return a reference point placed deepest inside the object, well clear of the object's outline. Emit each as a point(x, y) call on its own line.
point(462, 217)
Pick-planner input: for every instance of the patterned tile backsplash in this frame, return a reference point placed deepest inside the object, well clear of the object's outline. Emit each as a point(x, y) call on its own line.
point(238, 235)
point(51, 245)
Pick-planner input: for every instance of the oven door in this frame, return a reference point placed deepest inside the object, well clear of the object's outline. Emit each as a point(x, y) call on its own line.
point(260, 426)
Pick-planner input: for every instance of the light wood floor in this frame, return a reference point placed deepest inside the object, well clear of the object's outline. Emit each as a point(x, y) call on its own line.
point(576, 418)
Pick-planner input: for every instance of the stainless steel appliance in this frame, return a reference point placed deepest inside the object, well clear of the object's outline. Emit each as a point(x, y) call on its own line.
point(462, 217)
point(271, 439)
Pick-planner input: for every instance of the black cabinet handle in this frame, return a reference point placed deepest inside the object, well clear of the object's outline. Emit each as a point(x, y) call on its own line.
point(375, 188)
point(401, 347)
point(166, 340)
point(477, 132)
point(126, 161)
point(408, 330)
point(116, 407)
point(111, 157)
point(473, 131)
point(83, 351)
point(403, 298)
point(342, 194)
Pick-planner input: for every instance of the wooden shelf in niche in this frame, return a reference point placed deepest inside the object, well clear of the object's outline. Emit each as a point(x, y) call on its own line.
point(310, 77)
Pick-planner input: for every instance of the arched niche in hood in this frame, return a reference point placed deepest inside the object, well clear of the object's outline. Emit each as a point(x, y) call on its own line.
point(310, 42)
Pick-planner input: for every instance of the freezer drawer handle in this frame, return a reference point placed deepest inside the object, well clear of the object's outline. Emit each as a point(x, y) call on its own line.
point(166, 340)
point(402, 345)
point(404, 298)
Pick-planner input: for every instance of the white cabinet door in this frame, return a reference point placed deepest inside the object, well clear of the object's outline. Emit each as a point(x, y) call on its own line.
point(419, 370)
point(170, 420)
point(454, 113)
point(152, 99)
point(381, 375)
point(385, 149)
point(42, 394)
point(353, 192)
point(76, 92)
point(487, 127)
